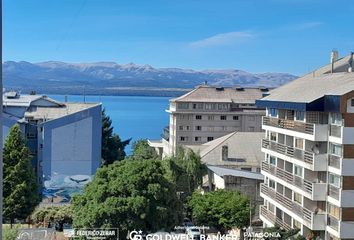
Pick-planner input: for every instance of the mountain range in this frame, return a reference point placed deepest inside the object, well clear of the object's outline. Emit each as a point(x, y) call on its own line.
point(110, 78)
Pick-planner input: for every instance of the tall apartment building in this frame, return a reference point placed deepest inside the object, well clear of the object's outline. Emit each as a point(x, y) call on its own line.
point(64, 138)
point(207, 113)
point(309, 153)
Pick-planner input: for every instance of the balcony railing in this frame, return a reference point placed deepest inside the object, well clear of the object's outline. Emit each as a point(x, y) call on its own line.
point(302, 155)
point(302, 212)
point(332, 222)
point(273, 219)
point(333, 192)
point(288, 177)
point(297, 126)
point(335, 131)
point(334, 161)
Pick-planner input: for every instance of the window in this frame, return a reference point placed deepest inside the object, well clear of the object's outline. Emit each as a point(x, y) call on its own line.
point(210, 106)
point(187, 128)
point(273, 136)
point(352, 102)
point(296, 224)
point(183, 139)
point(271, 184)
point(197, 105)
point(334, 180)
point(183, 105)
point(235, 118)
point(198, 128)
point(210, 118)
point(197, 139)
point(223, 106)
point(198, 117)
point(336, 119)
point(210, 139)
point(298, 198)
point(300, 115)
point(225, 153)
point(246, 169)
point(333, 210)
point(336, 149)
point(299, 143)
point(223, 117)
point(273, 112)
point(298, 171)
point(272, 160)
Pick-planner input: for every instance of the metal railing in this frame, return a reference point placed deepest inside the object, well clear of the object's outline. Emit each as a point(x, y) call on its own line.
point(287, 177)
point(333, 192)
point(273, 219)
point(332, 222)
point(288, 203)
point(302, 155)
point(289, 124)
point(334, 161)
point(335, 131)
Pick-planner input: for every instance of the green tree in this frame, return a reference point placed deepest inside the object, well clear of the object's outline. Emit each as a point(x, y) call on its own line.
point(58, 215)
point(21, 191)
point(220, 209)
point(112, 146)
point(284, 234)
point(142, 150)
point(128, 195)
point(187, 170)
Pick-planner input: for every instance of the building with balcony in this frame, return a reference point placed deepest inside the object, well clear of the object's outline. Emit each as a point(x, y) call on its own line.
point(309, 153)
point(64, 139)
point(207, 113)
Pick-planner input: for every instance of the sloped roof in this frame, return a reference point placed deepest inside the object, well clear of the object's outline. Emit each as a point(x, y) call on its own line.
point(308, 88)
point(205, 93)
point(221, 171)
point(242, 145)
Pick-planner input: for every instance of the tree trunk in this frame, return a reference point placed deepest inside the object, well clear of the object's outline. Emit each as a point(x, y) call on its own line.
point(11, 222)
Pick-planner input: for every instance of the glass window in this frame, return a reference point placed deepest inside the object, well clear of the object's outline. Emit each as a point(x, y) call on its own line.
point(336, 118)
point(273, 112)
point(223, 117)
point(272, 160)
point(333, 210)
point(235, 118)
point(181, 128)
point(183, 105)
point(298, 171)
point(210, 117)
point(299, 143)
point(300, 115)
point(271, 184)
point(298, 198)
point(198, 128)
point(246, 169)
point(336, 149)
point(197, 139)
point(225, 153)
point(352, 102)
point(334, 180)
point(210, 139)
point(273, 136)
point(198, 117)
point(296, 224)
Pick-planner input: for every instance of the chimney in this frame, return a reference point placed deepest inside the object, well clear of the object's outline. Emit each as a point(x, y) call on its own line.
point(334, 57)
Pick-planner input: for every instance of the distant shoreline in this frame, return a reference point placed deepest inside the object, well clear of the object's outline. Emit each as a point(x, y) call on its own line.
point(123, 91)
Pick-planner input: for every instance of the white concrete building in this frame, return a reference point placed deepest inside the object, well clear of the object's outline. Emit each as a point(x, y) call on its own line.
point(309, 153)
point(207, 113)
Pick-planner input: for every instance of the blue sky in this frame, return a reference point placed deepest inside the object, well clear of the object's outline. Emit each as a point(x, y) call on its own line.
point(291, 36)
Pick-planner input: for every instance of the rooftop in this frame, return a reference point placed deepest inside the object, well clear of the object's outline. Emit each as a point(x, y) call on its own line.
point(242, 145)
point(221, 171)
point(206, 93)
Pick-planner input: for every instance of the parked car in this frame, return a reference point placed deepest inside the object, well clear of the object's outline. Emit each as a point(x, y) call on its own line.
point(193, 233)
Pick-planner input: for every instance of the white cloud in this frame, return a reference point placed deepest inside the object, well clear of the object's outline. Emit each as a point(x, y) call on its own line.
point(307, 25)
point(222, 39)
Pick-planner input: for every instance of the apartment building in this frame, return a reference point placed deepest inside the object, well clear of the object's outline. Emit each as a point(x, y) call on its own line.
point(309, 153)
point(209, 112)
point(64, 138)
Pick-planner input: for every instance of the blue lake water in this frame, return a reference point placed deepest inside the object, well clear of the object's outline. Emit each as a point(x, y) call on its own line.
point(132, 117)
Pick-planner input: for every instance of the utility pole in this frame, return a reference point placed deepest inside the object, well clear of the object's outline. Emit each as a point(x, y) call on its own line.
point(1, 122)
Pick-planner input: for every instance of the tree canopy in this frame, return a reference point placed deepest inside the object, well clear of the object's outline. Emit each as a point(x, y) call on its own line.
point(142, 150)
point(128, 195)
point(112, 146)
point(21, 190)
point(53, 214)
point(220, 209)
